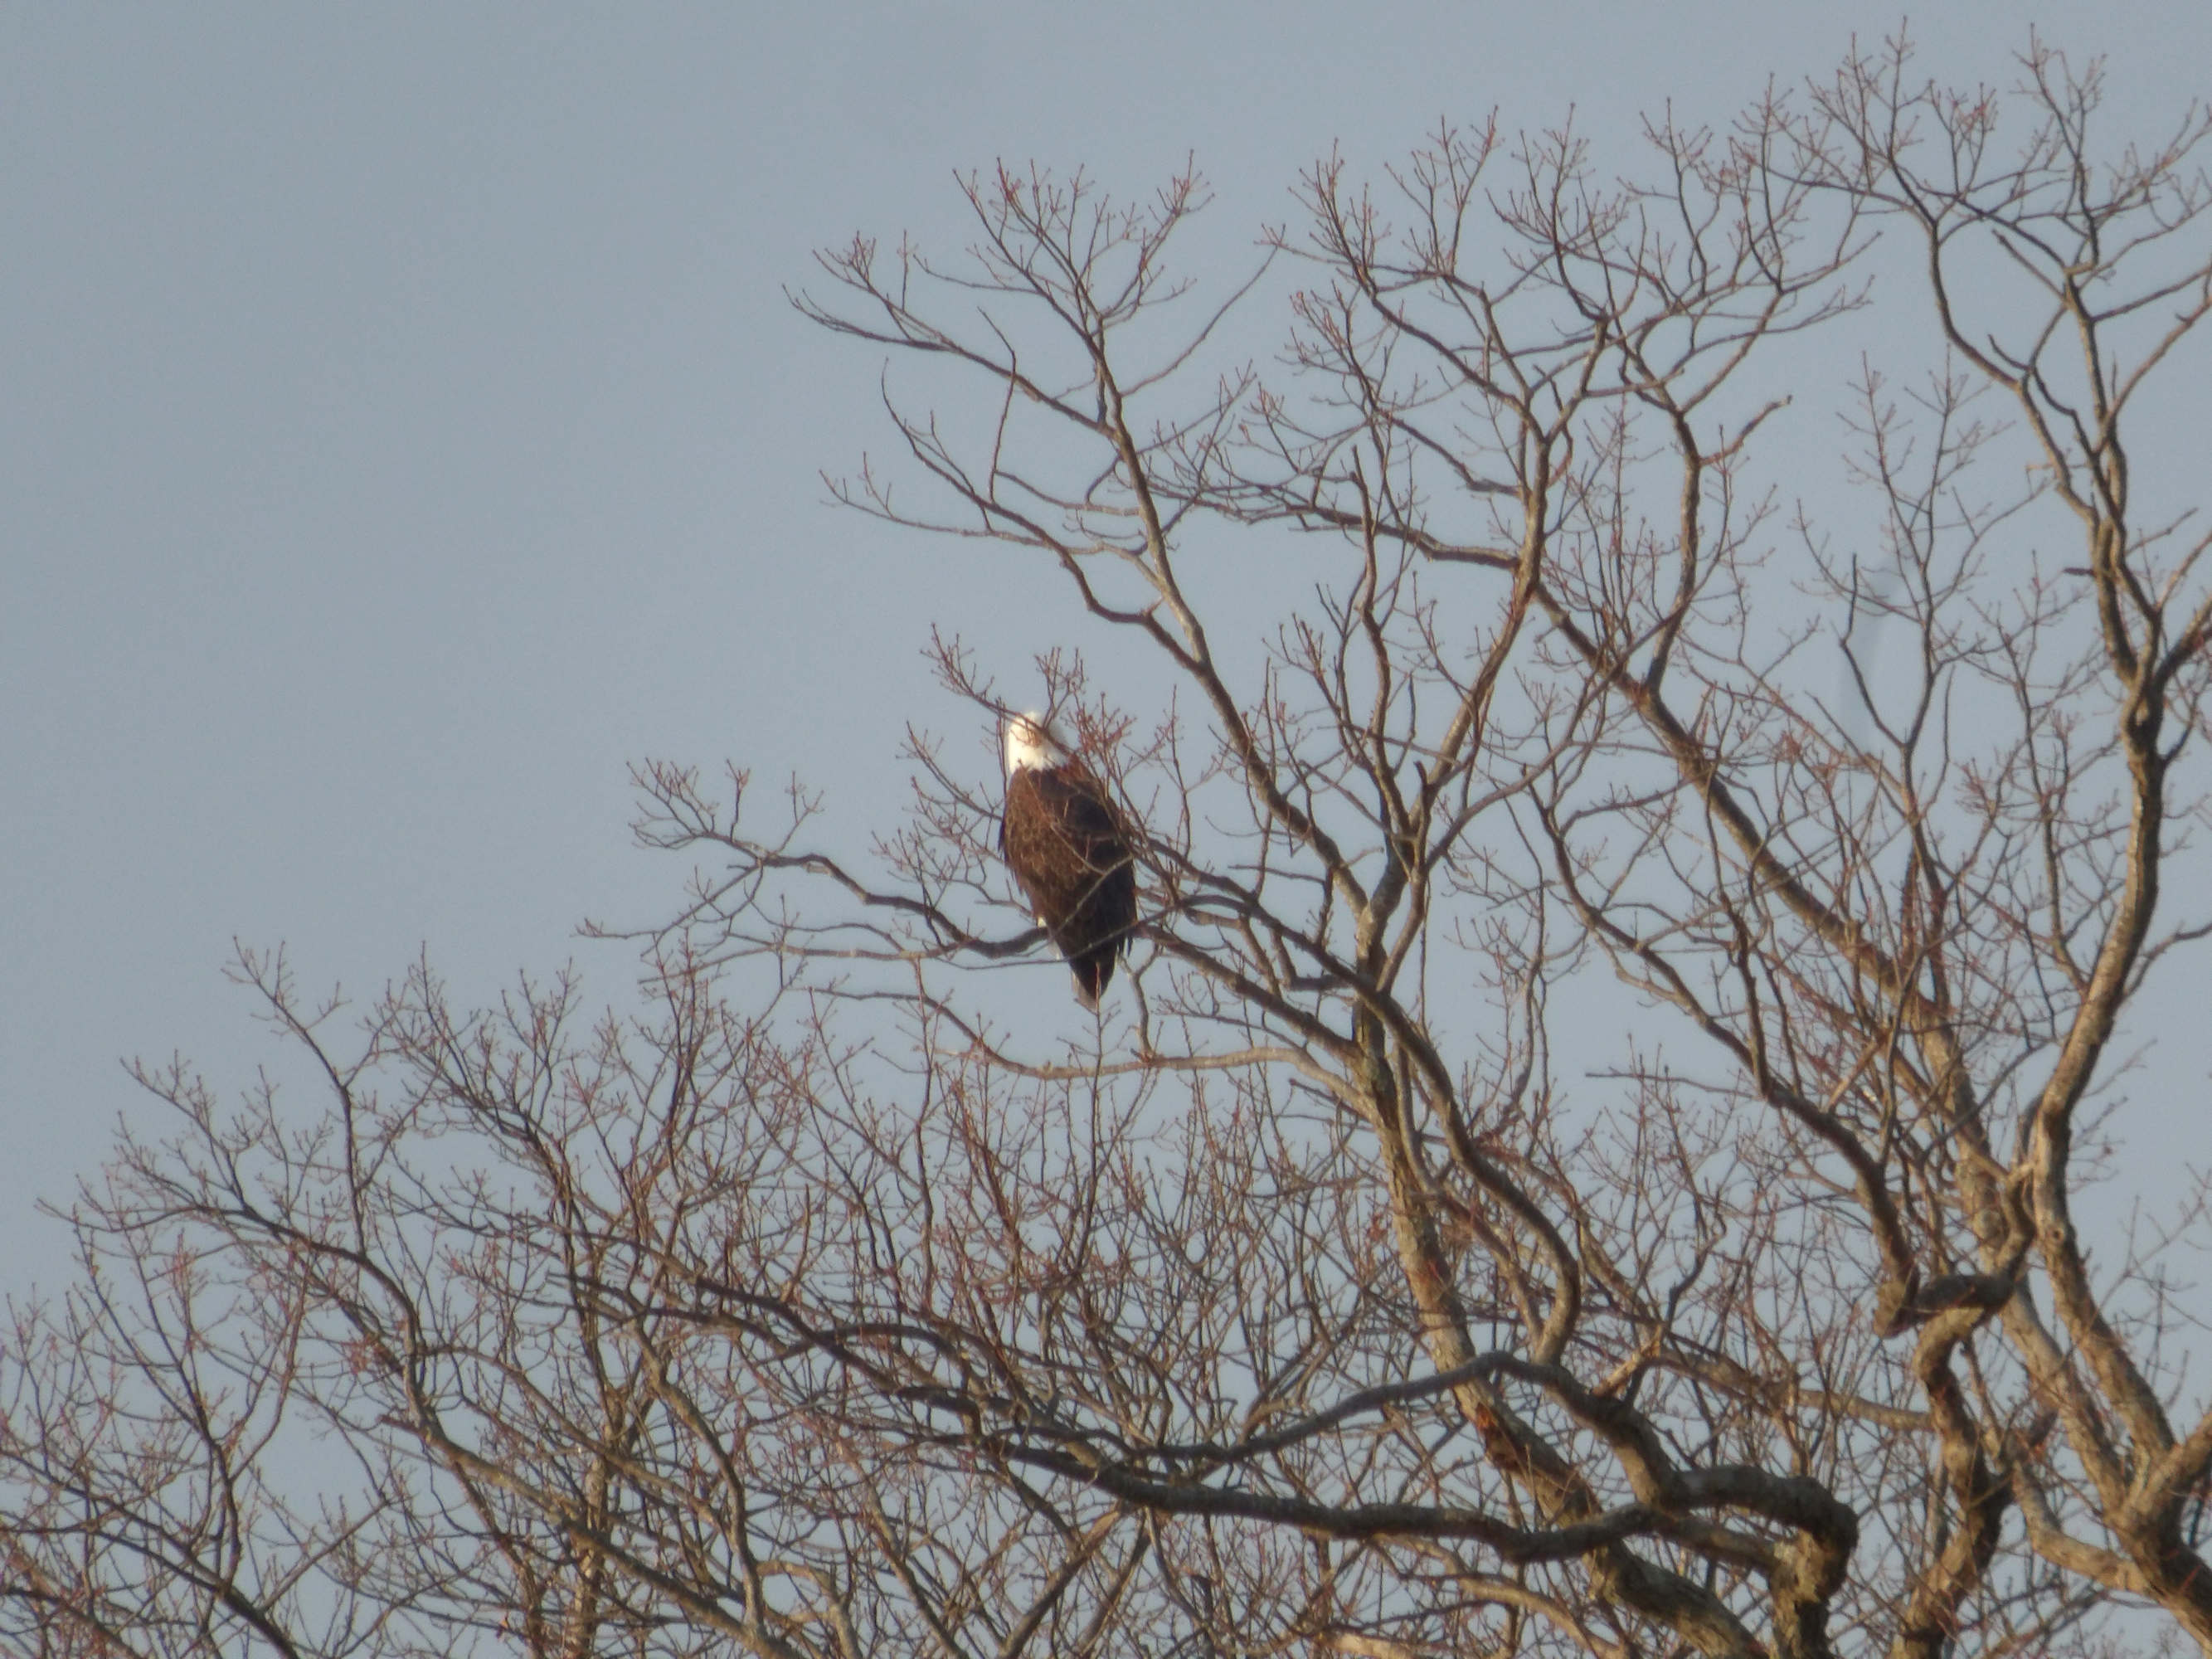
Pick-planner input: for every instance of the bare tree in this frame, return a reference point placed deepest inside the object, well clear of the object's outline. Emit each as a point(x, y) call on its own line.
point(1637, 966)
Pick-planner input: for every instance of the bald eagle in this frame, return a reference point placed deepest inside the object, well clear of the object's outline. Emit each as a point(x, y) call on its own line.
point(1064, 843)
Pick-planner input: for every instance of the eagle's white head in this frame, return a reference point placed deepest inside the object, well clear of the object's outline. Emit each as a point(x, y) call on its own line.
point(1030, 744)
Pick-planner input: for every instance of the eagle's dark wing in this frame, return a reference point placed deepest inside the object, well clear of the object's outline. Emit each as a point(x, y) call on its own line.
point(1066, 846)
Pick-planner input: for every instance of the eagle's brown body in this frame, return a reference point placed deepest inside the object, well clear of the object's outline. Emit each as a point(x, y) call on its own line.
point(1065, 844)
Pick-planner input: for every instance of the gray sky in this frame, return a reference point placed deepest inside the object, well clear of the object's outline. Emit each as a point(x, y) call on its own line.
point(402, 428)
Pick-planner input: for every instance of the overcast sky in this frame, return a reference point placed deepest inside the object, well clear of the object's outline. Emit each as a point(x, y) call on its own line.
point(403, 427)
